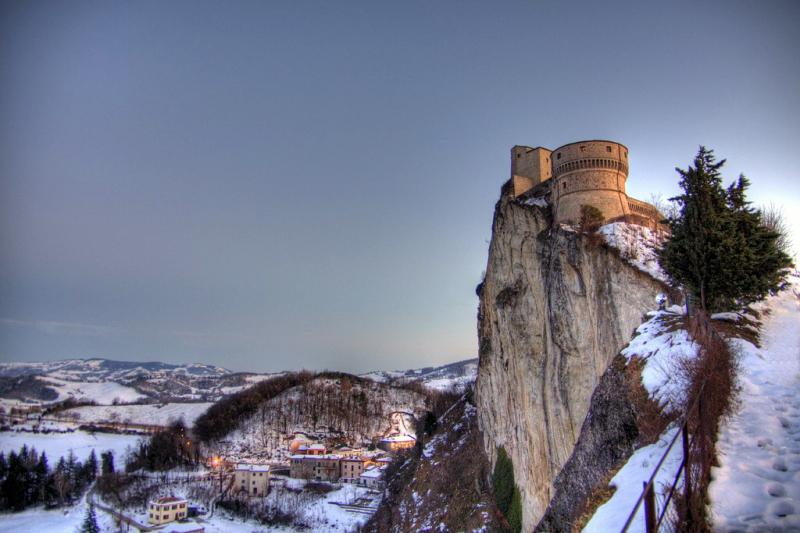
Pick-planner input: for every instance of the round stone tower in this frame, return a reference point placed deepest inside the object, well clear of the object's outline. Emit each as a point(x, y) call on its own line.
point(589, 172)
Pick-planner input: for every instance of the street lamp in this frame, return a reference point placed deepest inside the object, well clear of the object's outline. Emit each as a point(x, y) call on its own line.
point(216, 462)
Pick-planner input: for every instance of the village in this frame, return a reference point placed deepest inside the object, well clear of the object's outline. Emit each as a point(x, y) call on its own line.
point(308, 463)
point(307, 467)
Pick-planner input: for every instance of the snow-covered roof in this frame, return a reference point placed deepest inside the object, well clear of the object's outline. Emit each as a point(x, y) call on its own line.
point(398, 438)
point(316, 457)
point(317, 447)
point(372, 473)
point(168, 499)
point(252, 468)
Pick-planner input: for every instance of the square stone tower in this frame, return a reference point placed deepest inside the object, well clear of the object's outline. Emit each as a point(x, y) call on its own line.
point(529, 168)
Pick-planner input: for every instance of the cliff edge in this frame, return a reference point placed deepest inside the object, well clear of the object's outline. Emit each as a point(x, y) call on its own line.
point(555, 308)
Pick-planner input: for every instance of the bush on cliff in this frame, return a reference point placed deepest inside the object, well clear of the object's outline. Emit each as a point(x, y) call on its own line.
point(503, 481)
point(515, 512)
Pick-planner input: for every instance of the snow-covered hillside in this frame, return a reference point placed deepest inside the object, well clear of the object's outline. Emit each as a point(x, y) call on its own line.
point(350, 412)
point(452, 376)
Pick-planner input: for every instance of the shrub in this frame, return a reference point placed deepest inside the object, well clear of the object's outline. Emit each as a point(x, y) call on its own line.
point(515, 512)
point(503, 481)
point(591, 219)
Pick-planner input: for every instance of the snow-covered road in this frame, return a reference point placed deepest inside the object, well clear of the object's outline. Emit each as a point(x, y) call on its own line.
point(757, 485)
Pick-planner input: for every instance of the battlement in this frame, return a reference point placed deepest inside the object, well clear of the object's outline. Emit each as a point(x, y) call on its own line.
point(591, 172)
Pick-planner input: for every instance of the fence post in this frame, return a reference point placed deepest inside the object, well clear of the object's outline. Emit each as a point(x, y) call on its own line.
point(649, 508)
point(687, 468)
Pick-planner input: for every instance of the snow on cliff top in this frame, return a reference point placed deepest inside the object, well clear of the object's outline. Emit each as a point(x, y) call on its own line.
point(637, 245)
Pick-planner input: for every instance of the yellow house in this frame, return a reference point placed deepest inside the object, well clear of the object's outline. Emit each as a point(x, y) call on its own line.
point(166, 509)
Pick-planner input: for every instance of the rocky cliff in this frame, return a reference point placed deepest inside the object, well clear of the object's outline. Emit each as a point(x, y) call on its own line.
point(555, 308)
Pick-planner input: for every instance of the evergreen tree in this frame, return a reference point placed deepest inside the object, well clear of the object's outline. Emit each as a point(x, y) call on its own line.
point(3, 466)
point(62, 482)
point(720, 250)
point(90, 468)
point(13, 487)
point(107, 462)
point(41, 477)
point(503, 481)
point(89, 524)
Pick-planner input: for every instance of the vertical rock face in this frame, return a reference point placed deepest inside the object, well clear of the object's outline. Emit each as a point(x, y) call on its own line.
point(555, 309)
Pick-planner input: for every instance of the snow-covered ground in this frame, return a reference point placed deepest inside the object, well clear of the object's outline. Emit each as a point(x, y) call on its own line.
point(57, 445)
point(757, 485)
point(53, 521)
point(611, 516)
point(662, 343)
point(155, 414)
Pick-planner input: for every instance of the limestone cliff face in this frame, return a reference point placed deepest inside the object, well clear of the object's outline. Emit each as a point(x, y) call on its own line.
point(555, 309)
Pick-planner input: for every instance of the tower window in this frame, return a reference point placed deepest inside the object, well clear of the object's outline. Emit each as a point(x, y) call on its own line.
point(608, 149)
point(558, 155)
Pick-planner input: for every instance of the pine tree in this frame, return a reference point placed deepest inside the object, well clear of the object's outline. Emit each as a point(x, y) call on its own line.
point(89, 524)
point(13, 487)
point(3, 466)
point(90, 468)
point(107, 462)
point(720, 250)
point(41, 476)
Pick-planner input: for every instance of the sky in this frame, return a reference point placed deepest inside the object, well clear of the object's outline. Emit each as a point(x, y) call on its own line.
point(281, 185)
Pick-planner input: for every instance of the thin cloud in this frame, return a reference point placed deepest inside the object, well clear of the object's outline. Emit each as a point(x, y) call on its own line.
point(52, 327)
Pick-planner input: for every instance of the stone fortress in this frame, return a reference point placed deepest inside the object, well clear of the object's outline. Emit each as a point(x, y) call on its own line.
point(580, 173)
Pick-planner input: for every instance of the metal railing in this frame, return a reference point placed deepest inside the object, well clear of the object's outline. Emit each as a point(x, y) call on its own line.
point(653, 517)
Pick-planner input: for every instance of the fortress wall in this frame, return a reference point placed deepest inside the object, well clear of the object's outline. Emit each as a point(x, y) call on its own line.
point(590, 172)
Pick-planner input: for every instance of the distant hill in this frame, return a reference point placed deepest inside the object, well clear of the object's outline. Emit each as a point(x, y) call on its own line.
point(105, 381)
point(452, 375)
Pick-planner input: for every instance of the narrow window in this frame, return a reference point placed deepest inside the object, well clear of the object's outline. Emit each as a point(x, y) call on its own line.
point(608, 149)
point(558, 155)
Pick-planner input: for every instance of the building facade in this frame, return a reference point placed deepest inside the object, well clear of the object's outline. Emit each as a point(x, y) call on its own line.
point(251, 479)
point(166, 509)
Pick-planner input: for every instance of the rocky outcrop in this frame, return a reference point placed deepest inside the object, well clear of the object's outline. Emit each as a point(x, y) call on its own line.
point(555, 308)
point(608, 436)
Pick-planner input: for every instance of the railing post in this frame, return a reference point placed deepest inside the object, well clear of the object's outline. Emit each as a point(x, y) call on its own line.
point(649, 508)
point(687, 468)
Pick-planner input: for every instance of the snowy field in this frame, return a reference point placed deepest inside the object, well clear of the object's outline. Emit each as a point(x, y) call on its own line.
point(57, 445)
point(54, 521)
point(757, 486)
point(160, 415)
point(103, 392)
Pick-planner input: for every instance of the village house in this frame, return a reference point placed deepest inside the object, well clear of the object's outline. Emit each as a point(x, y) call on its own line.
point(396, 443)
point(312, 449)
point(252, 479)
point(316, 467)
point(351, 468)
point(372, 478)
point(166, 509)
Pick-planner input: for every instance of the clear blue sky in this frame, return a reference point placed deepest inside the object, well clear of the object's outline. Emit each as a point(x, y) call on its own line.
point(272, 185)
